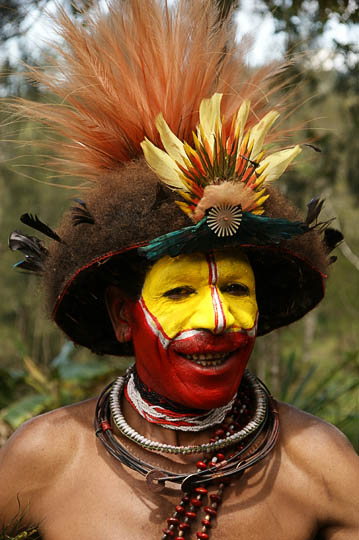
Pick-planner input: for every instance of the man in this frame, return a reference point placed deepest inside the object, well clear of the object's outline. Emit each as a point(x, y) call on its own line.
point(182, 253)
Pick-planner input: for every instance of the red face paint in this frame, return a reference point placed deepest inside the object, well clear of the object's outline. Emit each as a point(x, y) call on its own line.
point(169, 373)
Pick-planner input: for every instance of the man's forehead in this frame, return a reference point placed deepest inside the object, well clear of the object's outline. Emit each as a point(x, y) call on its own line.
point(229, 261)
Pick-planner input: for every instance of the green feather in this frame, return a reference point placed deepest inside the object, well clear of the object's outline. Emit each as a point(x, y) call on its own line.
point(253, 230)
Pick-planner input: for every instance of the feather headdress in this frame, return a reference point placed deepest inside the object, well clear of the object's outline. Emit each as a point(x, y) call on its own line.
point(114, 74)
point(141, 77)
point(227, 166)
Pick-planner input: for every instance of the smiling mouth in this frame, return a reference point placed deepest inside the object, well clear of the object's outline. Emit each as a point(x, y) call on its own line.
point(208, 359)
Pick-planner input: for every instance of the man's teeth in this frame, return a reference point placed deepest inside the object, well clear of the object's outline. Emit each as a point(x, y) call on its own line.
point(210, 359)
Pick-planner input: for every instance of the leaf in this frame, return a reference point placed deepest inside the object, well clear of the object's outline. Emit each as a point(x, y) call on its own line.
point(34, 371)
point(82, 373)
point(64, 355)
point(289, 376)
point(23, 409)
point(302, 386)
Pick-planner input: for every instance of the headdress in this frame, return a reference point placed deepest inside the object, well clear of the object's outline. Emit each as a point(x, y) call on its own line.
point(175, 134)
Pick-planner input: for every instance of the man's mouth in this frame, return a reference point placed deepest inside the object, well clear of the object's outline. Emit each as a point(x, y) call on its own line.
point(208, 359)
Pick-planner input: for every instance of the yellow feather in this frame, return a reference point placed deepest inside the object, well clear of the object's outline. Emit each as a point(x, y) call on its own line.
point(210, 116)
point(196, 141)
point(187, 196)
point(245, 142)
point(171, 143)
point(258, 195)
point(276, 163)
point(162, 165)
point(259, 157)
point(189, 150)
point(260, 180)
point(260, 201)
point(241, 119)
point(250, 145)
point(259, 131)
point(184, 207)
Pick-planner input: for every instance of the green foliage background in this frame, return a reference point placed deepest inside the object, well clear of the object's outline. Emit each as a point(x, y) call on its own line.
point(314, 363)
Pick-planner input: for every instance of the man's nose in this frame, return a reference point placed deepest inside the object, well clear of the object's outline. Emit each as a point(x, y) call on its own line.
point(212, 311)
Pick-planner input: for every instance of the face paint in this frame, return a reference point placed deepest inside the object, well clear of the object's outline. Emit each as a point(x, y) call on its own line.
point(194, 327)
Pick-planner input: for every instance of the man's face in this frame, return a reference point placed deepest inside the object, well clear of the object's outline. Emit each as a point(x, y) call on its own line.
point(194, 327)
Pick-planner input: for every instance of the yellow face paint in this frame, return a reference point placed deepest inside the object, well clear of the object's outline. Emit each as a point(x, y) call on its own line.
point(213, 292)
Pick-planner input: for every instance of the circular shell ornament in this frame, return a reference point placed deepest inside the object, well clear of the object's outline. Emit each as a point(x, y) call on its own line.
point(224, 220)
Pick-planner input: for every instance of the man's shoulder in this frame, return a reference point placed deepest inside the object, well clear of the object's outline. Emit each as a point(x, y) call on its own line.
point(322, 458)
point(301, 432)
point(47, 442)
point(39, 453)
point(60, 421)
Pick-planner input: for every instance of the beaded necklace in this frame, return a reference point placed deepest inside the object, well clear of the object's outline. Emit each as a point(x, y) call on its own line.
point(214, 468)
point(166, 414)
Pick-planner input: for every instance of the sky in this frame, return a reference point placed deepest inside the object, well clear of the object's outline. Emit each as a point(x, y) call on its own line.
point(267, 45)
point(270, 46)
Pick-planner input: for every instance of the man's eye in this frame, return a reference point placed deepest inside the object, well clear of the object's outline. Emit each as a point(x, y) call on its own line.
point(179, 292)
point(236, 289)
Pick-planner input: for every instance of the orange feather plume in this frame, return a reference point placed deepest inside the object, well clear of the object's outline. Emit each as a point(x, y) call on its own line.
point(129, 62)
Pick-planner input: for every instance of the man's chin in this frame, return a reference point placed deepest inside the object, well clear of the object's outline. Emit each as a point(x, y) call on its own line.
point(204, 400)
point(207, 386)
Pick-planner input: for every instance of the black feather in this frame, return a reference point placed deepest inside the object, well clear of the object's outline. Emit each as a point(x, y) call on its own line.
point(30, 265)
point(29, 245)
point(332, 237)
point(35, 253)
point(314, 208)
point(80, 214)
point(37, 224)
point(80, 201)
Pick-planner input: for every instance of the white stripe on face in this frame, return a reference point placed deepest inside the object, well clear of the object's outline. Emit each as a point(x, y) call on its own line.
point(154, 325)
point(219, 316)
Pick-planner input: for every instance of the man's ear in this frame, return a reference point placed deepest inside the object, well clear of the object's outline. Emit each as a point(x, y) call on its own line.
point(118, 310)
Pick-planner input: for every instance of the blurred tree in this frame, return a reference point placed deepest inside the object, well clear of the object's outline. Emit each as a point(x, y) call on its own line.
point(302, 20)
point(14, 14)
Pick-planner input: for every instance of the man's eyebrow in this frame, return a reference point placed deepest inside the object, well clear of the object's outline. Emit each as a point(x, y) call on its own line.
point(180, 276)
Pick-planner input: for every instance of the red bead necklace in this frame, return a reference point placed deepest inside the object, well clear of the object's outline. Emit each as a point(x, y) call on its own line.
point(179, 523)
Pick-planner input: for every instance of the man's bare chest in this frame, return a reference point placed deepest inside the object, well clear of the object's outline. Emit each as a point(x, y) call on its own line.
point(105, 504)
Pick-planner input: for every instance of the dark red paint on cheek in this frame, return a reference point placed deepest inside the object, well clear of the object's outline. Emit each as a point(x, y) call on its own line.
point(172, 375)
